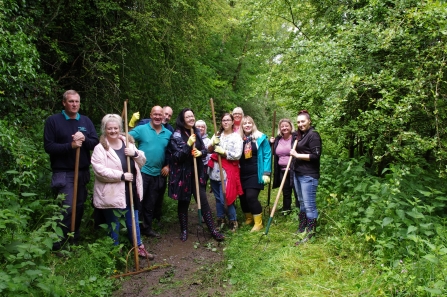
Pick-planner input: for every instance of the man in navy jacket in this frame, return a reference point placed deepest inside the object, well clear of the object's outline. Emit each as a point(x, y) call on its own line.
point(63, 133)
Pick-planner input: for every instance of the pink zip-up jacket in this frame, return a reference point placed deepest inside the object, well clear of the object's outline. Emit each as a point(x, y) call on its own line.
point(109, 189)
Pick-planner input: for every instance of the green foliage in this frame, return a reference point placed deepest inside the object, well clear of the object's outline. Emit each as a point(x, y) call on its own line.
point(88, 271)
point(28, 216)
point(371, 73)
point(397, 217)
point(23, 86)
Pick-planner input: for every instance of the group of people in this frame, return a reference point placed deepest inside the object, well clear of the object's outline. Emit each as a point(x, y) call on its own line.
point(136, 169)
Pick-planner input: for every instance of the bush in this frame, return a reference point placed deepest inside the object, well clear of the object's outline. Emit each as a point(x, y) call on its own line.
point(397, 217)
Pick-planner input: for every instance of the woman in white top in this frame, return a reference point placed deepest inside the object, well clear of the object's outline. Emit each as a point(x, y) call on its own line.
point(228, 145)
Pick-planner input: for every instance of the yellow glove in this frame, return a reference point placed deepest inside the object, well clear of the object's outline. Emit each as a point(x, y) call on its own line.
point(215, 140)
point(135, 117)
point(196, 153)
point(191, 140)
point(266, 179)
point(219, 150)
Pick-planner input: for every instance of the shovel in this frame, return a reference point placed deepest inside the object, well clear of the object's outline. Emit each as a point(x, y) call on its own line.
point(199, 207)
point(222, 181)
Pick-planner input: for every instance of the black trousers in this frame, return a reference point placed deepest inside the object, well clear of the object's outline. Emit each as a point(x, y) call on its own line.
point(184, 205)
point(152, 187)
point(250, 202)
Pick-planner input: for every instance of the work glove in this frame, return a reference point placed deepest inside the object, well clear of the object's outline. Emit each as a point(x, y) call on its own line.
point(196, 153)
point(191, 140)
point(215, 140)
point(135, 117)
point(266, 179)
point(219, 150)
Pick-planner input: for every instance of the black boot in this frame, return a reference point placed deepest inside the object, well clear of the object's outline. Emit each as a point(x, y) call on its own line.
point(183, 218)
point(311, 229)
point(286, 205)
point(302, 222)
point(146, 228)
point(208, 217)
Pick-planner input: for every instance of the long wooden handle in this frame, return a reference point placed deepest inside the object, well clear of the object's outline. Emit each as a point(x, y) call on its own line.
point(196, 179)
point(271, 157)
point(280, 189)
point(222, 181)
point(75, 190)
point(134, 227)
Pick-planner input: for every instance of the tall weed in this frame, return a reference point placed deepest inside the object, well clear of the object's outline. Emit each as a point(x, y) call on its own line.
point(397, 217)
point(29, 215)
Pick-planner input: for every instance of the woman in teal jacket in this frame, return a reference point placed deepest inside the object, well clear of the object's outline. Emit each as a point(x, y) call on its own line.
point(256, 164)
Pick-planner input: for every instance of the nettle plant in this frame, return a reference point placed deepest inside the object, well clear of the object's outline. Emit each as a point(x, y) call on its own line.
point(398, 217)
point(27, 217)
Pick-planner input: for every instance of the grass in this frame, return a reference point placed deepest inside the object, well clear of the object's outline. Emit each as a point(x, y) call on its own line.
point(332, 264)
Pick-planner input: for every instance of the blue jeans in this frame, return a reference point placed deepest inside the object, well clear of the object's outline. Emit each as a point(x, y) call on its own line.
point(110, 217)
point(220, 207)
point(306, 188)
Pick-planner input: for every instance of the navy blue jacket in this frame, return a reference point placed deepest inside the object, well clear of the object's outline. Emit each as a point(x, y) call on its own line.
point(57, 142)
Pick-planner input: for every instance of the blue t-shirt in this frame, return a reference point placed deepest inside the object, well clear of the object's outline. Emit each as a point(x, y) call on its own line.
point(153, 145)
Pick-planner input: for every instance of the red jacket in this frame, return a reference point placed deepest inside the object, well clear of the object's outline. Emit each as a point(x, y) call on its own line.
point(233, 185)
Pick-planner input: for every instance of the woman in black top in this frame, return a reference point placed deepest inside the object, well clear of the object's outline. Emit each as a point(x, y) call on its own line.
point(307, 172)
point(182, 175)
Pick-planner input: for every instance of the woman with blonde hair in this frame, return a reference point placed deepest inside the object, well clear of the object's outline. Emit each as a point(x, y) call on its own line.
point(201, 125)
point(255, 165)
point(237, 114)
point(112, 177)
point(282, 144)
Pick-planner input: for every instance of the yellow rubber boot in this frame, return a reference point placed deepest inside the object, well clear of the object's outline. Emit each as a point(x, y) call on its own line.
point(258, 223)
point(248, 218)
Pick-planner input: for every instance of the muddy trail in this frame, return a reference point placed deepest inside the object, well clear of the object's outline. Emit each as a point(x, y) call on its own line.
point(188, 268)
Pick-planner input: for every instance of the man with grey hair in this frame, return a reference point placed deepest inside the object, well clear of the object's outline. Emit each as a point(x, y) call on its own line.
point(64, 133)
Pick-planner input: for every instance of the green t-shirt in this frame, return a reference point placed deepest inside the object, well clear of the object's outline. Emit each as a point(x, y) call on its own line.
point(153, 145)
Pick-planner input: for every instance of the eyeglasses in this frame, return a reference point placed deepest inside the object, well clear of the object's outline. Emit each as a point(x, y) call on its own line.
point(189, 117)
point(237, 113)
point(226, 121)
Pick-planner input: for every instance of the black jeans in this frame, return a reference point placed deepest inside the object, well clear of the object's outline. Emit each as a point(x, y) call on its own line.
point(287, 191)
point(158, 207)
point(152, 187)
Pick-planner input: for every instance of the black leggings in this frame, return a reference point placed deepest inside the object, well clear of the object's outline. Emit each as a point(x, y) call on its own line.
point(249, 201)
point(184, 205)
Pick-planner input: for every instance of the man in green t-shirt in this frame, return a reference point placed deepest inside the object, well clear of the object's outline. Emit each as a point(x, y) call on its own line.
point(152, 138)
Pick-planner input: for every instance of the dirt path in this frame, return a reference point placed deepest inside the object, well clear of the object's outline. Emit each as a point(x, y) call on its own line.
point(192, 266)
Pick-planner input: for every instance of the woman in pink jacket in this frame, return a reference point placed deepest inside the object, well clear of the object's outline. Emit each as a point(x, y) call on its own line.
point(111, 190)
